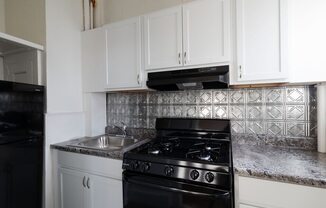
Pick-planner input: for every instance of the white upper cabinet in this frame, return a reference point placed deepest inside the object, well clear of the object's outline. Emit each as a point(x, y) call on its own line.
point(206, 32)
point(195, 34)
point(112, 57)
point(124, 54)
point(262, 41)
point(94, 63)
point(163, 39)
point(307, 41)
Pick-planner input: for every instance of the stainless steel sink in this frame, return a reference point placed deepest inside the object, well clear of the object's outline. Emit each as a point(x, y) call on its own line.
point(107, 142)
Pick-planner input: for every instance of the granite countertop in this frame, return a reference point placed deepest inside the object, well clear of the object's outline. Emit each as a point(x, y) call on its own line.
point(260, 161)
point(280, 164)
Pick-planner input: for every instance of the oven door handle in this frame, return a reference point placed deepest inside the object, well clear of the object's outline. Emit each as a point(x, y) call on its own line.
point(222, 195)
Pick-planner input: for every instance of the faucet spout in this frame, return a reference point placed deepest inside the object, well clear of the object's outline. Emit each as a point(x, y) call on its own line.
point(122, 128)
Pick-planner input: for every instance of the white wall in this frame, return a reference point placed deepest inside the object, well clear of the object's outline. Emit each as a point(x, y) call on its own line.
point(63, 40)
point(115, 10)
point(26, 19)
point(2, 16)
point(65, 117)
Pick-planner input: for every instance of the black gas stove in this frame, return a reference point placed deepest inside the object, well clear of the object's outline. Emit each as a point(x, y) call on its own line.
point(188, 164)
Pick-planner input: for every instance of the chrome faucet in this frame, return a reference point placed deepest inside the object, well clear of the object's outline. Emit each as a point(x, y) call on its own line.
point(122, 128)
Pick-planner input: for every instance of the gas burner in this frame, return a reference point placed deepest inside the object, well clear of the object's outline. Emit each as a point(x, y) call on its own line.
point(205, 152)
point(204, 155)
point(170, 144)
point(167, 146)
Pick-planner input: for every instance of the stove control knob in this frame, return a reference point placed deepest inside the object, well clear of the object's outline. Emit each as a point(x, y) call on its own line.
point(145, 167)
point(169, 171)
point(135, 165)
point(209, 177)
point(194, 174)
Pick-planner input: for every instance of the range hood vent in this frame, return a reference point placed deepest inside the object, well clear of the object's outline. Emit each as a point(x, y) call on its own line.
point(190, 79)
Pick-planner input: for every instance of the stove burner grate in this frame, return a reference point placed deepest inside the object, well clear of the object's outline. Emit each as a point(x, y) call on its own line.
point(166, 146)
point(204, 151)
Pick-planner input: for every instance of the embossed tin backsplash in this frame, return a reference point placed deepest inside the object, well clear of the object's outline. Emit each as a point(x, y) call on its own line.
point(281, 111)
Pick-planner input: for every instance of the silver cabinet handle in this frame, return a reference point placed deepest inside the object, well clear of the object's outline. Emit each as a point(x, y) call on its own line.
point(185, 57)
point(179, 58)
point(84, 182)
point(138, 79)
point(88, 185)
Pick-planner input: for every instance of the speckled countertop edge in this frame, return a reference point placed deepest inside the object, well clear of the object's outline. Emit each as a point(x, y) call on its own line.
point(280, 164)
point(287, 165)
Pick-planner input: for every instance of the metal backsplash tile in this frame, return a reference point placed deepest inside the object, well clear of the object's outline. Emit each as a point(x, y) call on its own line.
point(280, 111)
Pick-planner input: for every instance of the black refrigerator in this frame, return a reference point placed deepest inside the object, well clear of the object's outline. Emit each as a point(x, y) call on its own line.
point(21, 145)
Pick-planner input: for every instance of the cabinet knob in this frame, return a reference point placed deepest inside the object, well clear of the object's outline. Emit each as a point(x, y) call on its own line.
point(185, 57)
point(138, 79)
point(179, 55)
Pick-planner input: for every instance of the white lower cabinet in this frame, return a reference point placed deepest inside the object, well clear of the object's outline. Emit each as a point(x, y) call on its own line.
point(80, 189)
point(85, 181)
point(72, 190)
point(105, 192)
point(258, 193)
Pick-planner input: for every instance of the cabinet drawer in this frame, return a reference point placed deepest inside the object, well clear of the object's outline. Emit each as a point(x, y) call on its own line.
point(96, 165)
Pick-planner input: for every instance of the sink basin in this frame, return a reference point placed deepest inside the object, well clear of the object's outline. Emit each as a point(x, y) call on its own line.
point(107, 142)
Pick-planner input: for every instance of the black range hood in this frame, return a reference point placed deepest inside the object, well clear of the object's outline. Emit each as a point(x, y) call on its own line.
point(190, 79)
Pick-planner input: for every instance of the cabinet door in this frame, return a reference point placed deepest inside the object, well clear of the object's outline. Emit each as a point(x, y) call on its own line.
point(94, 64)
point(206, 31)
point(262, 40)
point(71, 189)
point(105, 192)
point(124, 54)
point(163, 39)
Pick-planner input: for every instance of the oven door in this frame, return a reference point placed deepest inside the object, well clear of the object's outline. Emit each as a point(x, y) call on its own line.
point(143, 191)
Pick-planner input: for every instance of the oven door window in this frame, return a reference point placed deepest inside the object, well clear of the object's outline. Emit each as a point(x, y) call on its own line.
point(142, 191)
